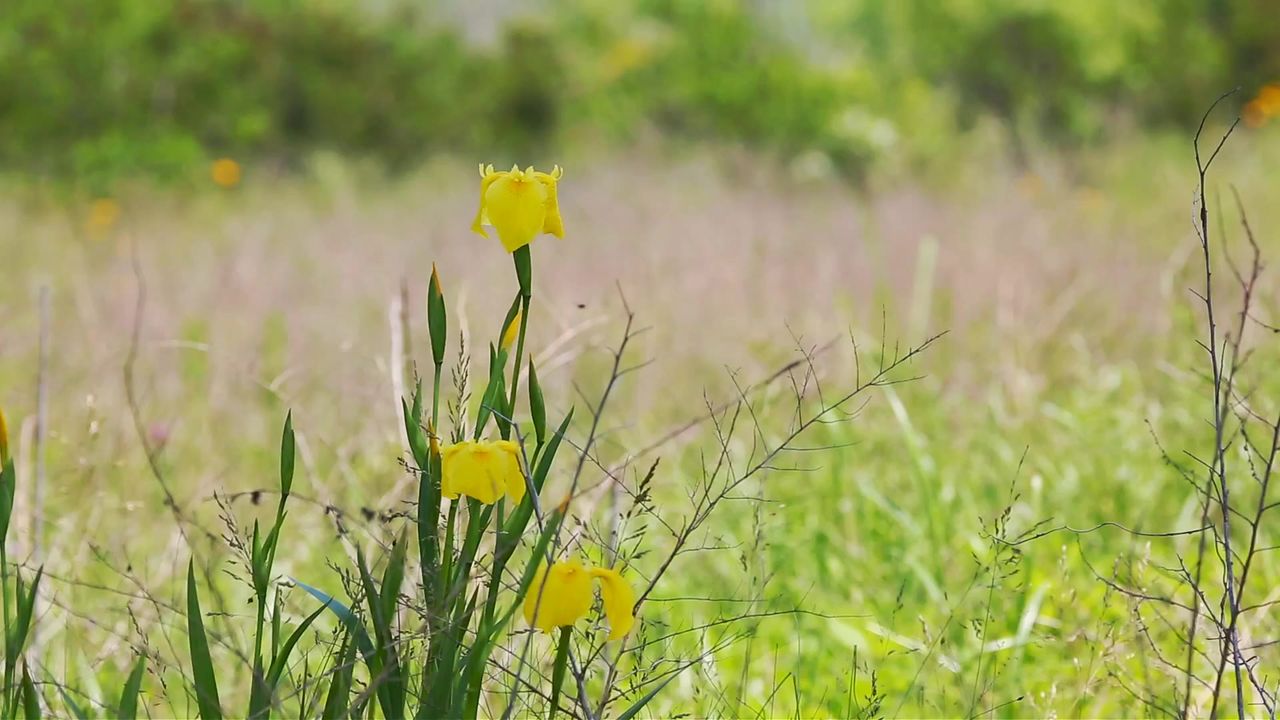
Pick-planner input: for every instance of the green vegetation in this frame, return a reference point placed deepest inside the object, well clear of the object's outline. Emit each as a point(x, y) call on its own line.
point(131, 87)
point(867, 361)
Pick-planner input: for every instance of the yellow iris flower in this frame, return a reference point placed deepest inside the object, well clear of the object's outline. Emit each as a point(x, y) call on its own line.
point(4, 441)
point(565, 597)
point(484, 470)
point(519, 204)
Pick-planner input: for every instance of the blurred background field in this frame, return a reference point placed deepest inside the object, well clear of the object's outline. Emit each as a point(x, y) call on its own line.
point(754, 178)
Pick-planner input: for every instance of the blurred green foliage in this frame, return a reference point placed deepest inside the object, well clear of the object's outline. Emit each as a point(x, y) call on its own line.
point(95, 91)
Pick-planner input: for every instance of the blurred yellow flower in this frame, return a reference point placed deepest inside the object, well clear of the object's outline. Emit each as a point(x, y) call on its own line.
point(1264, 106)
point(484, 470)
point(225, 172)
point(509, 335)
point(519, 204)
point(4, 441)
point(103, 215)
point(565, 597)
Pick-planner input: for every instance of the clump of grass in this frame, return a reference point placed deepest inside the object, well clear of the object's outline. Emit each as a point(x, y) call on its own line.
point(506, 504)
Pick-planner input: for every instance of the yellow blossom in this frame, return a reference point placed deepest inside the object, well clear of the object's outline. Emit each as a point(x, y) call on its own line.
point(103, 214)
point(561, 595)
point(509, 335)
point(4, 441)
point(519, 204)
point(433, 441)
point(1264, 106)
point(484, 470)
point(225, 172)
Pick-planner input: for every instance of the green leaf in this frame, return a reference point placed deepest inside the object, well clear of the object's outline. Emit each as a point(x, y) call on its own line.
point(335, 703)
point(343, 613)
point(76, 711)
point(30, 699)
point(524, 270)
point(127, 709)
point(17, 634)
point(494, 398)
point(201, 663)
point(548, 455)
point(648, 697)
point(478, 655)
point(537, 406)
point(282, 657)
point(275, 624)
point(437, 318)
point(418, 443)
point(287, 452)
point(392, 579)
point(8, 481)
point(384, 665)
point(557, 672)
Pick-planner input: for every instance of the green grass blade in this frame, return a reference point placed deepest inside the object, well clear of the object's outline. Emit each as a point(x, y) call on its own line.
point(537, 406)
point(127, 709)
point(648, 697)
point(557, 673)
point(348, 618)
point(8, 481)
point(282, 657)
point(17, 634)
point(335, 702)
point(386, 670)
point(418, 443)
point(259, 694)
point(76, 711)
point(201, 663)
point(392, 578)
point(30, 699)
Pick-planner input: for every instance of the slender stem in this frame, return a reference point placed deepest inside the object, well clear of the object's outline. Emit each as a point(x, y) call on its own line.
point(515, 370)
point(4, 590)
point(524, 276)
point(557, 674)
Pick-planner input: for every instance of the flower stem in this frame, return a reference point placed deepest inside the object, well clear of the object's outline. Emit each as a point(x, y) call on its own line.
point(524, 273)
point(557, 674)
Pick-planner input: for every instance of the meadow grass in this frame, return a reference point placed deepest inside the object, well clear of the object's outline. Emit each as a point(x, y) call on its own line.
point(874, 572)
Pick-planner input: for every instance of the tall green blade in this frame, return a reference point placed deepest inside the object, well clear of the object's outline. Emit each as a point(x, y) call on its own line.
point(344, 613)
point(335, 703)
point(201, 663)
point(127, 709)
point(77, 712)
point(282, 657)
point(30, 699)
point(287, 444)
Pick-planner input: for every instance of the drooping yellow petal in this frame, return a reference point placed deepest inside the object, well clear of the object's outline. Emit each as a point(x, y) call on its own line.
point(487, 178)
point(4, 441)
point(559, 596)
point(516, 205)
point(619, 601)
point(512, 475)
point(553, 224)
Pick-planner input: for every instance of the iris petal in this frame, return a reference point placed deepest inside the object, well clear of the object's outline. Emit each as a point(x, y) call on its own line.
point(487, 178)
point(482, 470)
point(558, 597)
point(519, 205)
point(619, 601)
